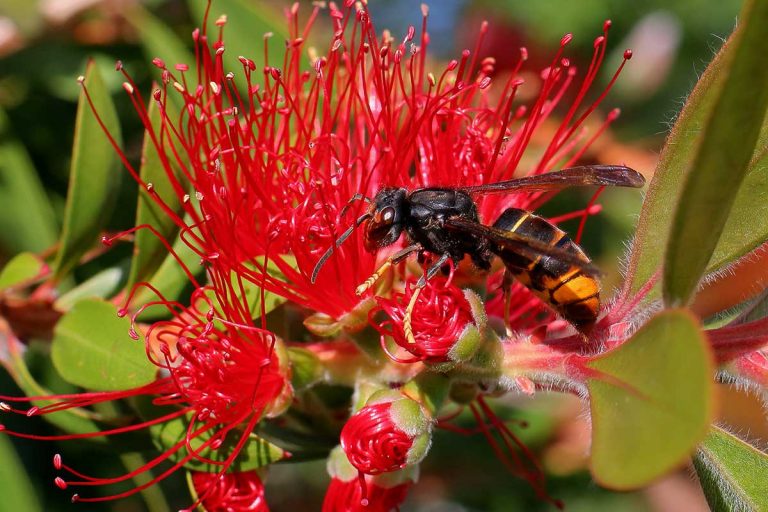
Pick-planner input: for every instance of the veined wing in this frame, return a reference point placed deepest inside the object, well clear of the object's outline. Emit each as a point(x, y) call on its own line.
point(584, 175)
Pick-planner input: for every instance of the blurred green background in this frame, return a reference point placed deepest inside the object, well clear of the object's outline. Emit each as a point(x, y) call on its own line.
point(44, 45)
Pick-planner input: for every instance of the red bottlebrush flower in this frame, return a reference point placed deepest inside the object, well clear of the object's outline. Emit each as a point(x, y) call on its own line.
point(352, 491)
point(274, 155)
point(217, 370)
point(442, 316)
point(230, 492)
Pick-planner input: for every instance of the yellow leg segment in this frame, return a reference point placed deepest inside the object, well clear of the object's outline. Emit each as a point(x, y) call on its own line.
point(407, 328)
point(374, 277)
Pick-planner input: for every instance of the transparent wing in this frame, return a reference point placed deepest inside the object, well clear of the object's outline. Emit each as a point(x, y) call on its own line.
point(584, 175)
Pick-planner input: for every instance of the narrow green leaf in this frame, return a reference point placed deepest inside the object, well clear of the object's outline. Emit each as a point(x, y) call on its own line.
point(170, 280)
point(15, 487)
point(758, 308)
point(27, 220)
point(651, 401)
point(729, 316)
point(253, 293)
point(102, 285)
point(720, 164)
point(256, 453)
point(91, 348)
point(746, 225)
point(654, 226)
point(73, 421)
point(246, 25)
point(93, 177)
point(149, 251)
point(733, 474)
point(22, 268)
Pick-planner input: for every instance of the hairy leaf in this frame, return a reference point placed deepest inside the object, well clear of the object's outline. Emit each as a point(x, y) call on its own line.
point(733, 474)
point(651, 401)
point(722, 159)
point(746, 225)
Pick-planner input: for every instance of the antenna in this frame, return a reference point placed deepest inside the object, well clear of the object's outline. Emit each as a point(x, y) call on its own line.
point(338, 243)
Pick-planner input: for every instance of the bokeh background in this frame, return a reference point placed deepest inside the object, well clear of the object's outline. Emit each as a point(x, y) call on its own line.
point(44, 45)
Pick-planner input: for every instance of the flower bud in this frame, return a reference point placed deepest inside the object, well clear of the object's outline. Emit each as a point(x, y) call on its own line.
point(229, 492)
point(349, 492)
point(386, 435)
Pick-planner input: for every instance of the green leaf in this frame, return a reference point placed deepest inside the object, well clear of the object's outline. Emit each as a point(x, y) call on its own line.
point(149, 251)
point(93, 177)
point(256, 453)
point(720, 164)
point(757, 309)
point(158, 40)
point(170, 280)
point(753, 309)
point(73, 421)
point(253, 293)
point(91, 348)
point(306, 368)
point(102, 286)
point(27, 220)
point(16, 488)
point(746, 225)
point(246, 25)
point(22, 268)
point(651, 401)
point(733, 474)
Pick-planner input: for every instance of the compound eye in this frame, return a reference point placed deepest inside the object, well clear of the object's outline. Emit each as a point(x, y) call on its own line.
point(388, 215)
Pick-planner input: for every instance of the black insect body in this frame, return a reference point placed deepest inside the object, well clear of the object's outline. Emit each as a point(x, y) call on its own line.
point(444, 221)
point(426, 212)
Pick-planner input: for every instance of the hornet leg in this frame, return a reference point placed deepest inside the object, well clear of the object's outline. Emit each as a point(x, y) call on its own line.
point(421, 283)
point(506, 288)
point(392, 260)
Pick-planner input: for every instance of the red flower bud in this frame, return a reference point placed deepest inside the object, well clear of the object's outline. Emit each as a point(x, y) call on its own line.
point(384, 437)
point(351, 491)
point(373, 442)
point(230, 492)
point(348, 496)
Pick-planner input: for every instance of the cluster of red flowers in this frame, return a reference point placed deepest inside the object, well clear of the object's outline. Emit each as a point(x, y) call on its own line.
point(264, 162)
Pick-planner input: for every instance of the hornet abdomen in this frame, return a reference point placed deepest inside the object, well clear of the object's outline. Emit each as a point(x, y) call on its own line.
point(571, 292)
